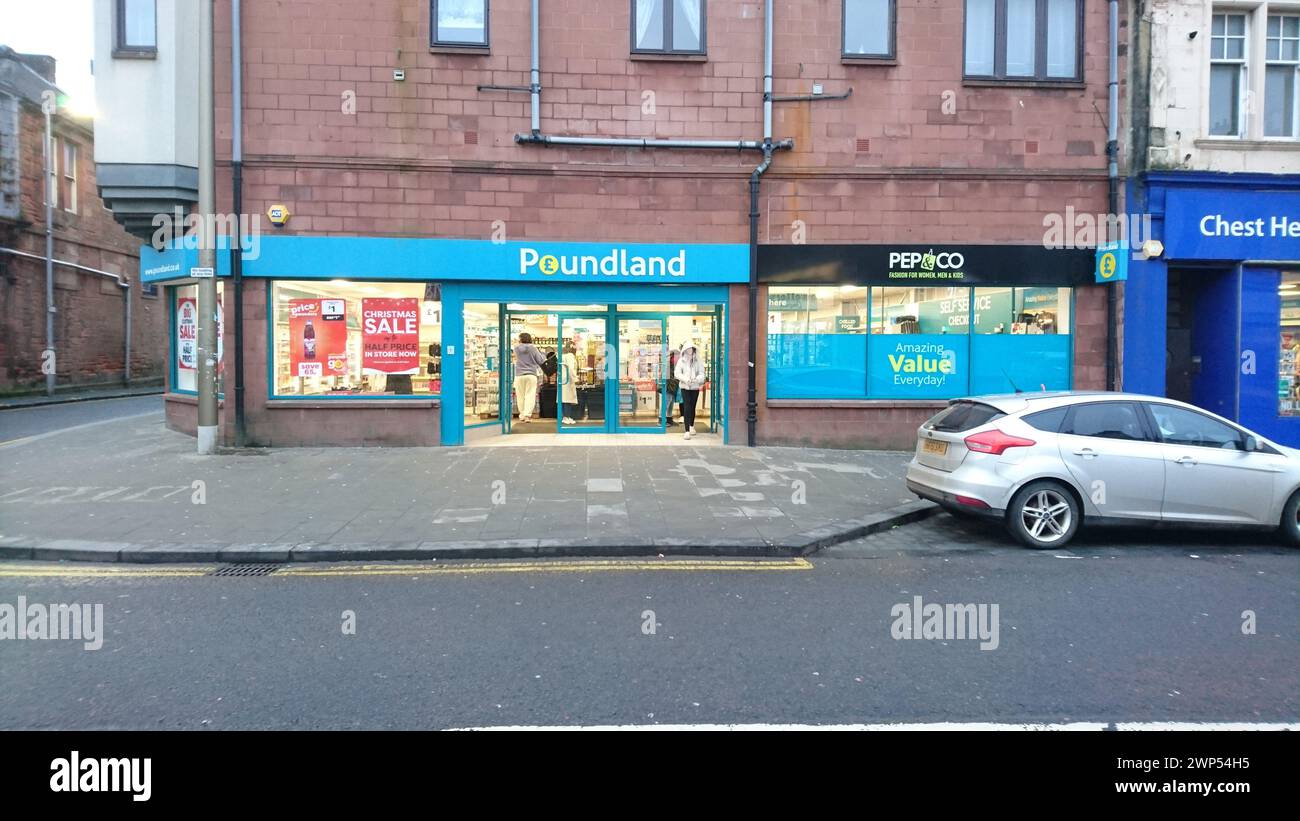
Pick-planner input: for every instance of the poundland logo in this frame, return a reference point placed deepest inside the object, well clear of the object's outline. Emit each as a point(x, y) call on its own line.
point(617, 263)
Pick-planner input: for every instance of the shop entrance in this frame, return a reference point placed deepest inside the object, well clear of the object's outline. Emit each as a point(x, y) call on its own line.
point(606, 368)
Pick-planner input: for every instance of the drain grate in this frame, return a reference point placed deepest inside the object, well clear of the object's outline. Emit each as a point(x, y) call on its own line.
point(249, 569)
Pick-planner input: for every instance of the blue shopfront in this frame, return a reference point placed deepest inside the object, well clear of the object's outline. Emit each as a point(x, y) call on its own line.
point(1214, 317)
point(372, 340)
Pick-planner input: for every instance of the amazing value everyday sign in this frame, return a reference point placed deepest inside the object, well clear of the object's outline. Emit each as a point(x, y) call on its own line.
point(1249, 225)
point(917, 366)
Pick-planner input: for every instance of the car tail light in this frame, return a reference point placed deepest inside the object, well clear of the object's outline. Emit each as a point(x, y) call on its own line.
point(971, 501)
point(995, 442)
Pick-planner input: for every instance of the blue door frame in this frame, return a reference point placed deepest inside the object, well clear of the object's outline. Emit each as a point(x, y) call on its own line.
point(540, 294)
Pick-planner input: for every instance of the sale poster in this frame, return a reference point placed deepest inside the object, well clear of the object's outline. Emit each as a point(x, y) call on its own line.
point(187, 333)
point(390, 335)
point(318, 337)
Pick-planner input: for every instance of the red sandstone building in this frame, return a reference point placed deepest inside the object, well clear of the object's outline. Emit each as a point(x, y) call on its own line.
point(97, 295)
point(443, 198)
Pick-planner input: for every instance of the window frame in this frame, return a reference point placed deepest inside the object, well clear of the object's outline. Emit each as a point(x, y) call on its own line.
point(434, 42)
point(63, 175)
point(1282, 38)
point(891, 55)
point(1040, 76)
point(1243, 73)
point(121, 48)
point(667, 49)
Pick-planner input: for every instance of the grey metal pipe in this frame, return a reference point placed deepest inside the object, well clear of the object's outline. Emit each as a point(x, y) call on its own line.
point(50, 189)
point(126, 353)
point(237, 195)
point(767, 71)
point(637, 142)
point(207, 288)
point(535, 75)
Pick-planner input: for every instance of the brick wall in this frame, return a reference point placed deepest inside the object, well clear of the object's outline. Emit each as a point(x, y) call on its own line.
point(89, 327)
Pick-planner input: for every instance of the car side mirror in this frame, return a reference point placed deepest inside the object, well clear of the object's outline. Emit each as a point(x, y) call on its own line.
point(1252, 444)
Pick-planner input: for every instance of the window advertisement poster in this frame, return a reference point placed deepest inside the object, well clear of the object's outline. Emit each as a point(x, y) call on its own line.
point(318, 337)
point(390, 335)
point(187, 334)
point(917, 366)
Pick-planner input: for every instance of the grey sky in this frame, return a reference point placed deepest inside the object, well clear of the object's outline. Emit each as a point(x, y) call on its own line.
point(60, 28)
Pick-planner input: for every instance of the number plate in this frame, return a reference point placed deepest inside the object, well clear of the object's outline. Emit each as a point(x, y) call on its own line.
point(932, 446)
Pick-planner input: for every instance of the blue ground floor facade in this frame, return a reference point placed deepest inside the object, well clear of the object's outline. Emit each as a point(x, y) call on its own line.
point(1215, 318)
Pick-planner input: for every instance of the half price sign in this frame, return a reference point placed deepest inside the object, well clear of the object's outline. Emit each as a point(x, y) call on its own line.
point(390, 335)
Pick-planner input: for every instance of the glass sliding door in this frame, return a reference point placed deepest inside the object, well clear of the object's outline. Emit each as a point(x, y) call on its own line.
point(642, 360)
point(584, 362)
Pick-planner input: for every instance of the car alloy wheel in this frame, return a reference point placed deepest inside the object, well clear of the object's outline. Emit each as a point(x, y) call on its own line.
point(1043, 514)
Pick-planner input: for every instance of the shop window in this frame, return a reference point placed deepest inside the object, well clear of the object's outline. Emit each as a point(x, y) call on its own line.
point(459, 23)
point(869, 27)
point(340, 338)
point(920, 346)
point(1227, 74)
point(816, 342)
point(1282, 56)
point(1021, 340)
point(185, 337)
point(1018, 40)
point(1288, 389)
point(668, 26)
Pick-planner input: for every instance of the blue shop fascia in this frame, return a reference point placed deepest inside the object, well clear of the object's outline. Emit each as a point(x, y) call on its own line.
point(1215, 318)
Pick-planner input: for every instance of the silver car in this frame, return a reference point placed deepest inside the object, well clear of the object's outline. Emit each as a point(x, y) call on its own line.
point(1045, 462)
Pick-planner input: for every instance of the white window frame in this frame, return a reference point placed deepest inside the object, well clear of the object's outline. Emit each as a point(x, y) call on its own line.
point(1282, 13)
point(1244, 77)
point(69, 173)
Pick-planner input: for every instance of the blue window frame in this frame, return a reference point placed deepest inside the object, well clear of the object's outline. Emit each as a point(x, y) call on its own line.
point(891, 342)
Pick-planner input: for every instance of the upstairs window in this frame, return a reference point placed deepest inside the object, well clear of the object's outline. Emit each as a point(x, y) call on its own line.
point(869, 29)
point(461, 23)
point(1227, 74)
point(1024, 40)
point(68, 179)
point(137, 27)
point(1282, 61)
point(667, 26)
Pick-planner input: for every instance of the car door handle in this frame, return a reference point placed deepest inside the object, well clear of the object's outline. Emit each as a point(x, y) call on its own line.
point(1086, 453)
point(1186, 460)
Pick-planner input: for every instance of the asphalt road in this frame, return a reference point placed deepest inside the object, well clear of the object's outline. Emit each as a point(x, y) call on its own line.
point(1132, 626)
point(20, 423)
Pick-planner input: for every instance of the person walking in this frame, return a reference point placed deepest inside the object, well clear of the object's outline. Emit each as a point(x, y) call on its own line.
point(672, 388)
point(690, 374)
point(569, 383)
point(528, 366)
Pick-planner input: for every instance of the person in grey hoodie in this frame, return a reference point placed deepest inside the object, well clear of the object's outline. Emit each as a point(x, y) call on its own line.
point(689, 371)
point(528, 367)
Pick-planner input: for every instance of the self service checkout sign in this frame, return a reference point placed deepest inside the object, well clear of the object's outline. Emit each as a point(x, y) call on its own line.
point(1112, 262)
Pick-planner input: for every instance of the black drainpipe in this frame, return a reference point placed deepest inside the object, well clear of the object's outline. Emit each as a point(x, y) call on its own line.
point(751, 395)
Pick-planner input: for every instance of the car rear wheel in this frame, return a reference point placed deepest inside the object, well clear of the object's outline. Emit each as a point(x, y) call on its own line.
point(1289, 528)
point(1043, 515)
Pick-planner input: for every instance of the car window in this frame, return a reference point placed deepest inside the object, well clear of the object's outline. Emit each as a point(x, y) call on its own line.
point(1180, 426)
point(961, 416)
point(1106, 420)
point(1048, 420)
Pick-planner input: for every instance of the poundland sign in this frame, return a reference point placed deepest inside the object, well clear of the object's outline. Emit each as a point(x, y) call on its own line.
point(617, 263)
point(404, 258)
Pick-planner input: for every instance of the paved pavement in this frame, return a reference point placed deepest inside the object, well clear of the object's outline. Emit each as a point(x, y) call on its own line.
point(130, 490)
point(1130, 632)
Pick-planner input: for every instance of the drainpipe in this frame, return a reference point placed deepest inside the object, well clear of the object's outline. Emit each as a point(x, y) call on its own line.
point(237, 185)
point(751, 387)
point(1112, 180)
point(535, 74)
point(50, 188)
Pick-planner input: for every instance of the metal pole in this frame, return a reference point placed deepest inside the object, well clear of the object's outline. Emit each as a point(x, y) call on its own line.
point(51, 182)
point(237, 184)
point(751, 387)
point(126, 354)
point(207, 287)
point(535, 74)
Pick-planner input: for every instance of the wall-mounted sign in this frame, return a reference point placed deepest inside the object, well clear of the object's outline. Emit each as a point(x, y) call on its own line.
point(1112, 262)
point(924, 265)
point(1240, 225)
point(278, 214)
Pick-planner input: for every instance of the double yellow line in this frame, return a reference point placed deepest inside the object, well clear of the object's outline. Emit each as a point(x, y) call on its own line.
point(451, 568)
